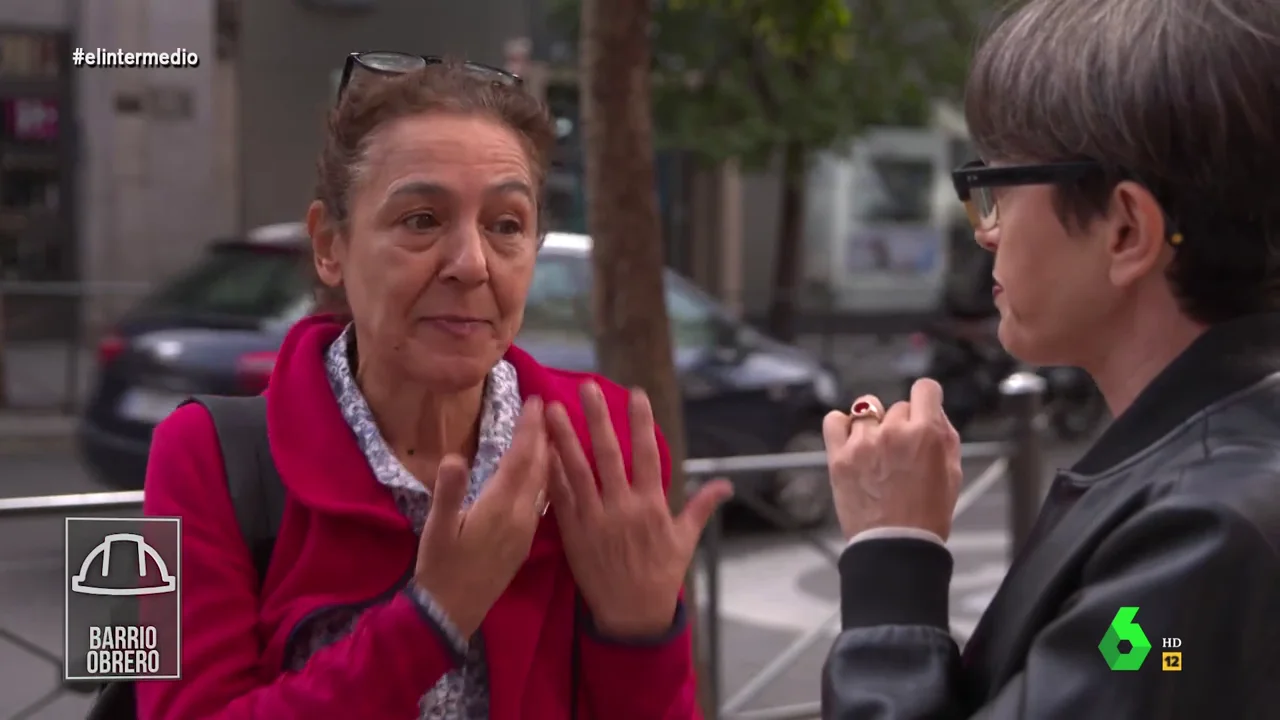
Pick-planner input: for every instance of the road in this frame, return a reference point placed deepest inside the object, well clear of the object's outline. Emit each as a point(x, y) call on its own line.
point(775, 588)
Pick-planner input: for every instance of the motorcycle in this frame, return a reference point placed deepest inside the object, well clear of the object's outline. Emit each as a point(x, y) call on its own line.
point(970, 370)
point(1072, 402)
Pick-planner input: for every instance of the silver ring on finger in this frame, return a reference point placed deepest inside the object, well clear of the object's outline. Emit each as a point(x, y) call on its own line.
point(540, 503)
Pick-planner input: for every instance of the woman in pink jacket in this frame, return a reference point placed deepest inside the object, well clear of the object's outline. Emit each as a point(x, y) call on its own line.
point(417, 571)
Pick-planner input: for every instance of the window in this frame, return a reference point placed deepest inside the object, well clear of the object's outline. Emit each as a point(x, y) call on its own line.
point(238, 281)
point(559, 306)
point(693, 315)
point(566, 202)
point(226, 21)
point(894, 190)
point(968, 279)
point(558, 302)
point(961, 151)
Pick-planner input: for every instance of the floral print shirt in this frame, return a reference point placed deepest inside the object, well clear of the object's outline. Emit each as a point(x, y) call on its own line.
point(462, 694)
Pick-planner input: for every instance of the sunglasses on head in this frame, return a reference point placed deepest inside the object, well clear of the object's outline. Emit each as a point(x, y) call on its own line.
point(396, 63)
point(975, 183)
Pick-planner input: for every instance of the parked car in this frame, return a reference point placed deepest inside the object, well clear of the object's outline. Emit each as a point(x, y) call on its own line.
point(216, 328)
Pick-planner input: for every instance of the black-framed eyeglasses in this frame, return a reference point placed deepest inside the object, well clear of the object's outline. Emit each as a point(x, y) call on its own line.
point(976, 181)
point(380, 62)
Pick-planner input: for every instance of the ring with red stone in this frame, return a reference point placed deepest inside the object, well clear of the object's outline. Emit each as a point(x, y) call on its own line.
point(865, 410)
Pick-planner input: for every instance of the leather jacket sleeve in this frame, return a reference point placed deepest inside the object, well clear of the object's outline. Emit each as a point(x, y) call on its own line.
point(1197, 570)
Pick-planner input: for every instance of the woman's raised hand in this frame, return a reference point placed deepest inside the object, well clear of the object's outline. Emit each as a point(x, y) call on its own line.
point(466, 558)
point(628, 554)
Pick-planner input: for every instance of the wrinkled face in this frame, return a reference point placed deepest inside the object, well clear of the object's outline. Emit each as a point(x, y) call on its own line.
point(1055, 290)
point(439, 249)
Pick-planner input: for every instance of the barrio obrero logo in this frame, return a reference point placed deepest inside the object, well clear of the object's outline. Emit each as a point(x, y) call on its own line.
point(123, 599)
point(80, 582)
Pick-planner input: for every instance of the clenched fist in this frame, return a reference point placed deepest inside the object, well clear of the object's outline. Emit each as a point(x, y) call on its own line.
point(894, 468)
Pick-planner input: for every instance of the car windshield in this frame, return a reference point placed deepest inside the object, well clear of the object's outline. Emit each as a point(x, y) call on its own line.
point(236, 281)
point(269, 284)
point(559, 306)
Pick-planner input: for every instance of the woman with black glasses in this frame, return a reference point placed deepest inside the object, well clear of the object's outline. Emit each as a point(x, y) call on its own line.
point(465, 534)
point(1130, 194)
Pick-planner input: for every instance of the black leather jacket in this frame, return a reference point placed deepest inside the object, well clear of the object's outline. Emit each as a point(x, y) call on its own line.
point(1175, 511)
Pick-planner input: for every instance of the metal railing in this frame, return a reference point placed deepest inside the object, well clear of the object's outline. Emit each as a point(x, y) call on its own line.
point(1018, 460)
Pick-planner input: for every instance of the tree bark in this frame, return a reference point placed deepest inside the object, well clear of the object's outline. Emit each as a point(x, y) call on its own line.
point(789, 254)
point(633, 338)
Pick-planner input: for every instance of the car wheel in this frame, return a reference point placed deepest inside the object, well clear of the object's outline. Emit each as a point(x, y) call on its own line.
point(803, 496)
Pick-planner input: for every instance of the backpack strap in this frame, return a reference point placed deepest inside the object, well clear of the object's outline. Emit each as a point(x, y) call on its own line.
point(257, 493)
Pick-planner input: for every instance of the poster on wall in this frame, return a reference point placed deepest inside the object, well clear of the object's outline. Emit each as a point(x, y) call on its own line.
point(31, 120)
point(897, 250)
point(31, 56)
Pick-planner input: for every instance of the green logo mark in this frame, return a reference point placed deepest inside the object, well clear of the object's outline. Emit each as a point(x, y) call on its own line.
point(1124, 628)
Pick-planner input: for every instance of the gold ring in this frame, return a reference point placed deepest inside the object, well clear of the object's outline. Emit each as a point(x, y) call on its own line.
point(865, 409)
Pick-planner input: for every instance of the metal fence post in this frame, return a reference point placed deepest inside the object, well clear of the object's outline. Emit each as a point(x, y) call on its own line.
point(4, 378)
point(712, 537)
point(1023, 394)
point(71, 373)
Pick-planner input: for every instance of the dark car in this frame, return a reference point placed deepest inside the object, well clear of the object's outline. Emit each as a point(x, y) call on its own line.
point(215, 329)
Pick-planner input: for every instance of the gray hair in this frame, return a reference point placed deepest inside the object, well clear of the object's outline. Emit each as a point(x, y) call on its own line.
point(1181, 95)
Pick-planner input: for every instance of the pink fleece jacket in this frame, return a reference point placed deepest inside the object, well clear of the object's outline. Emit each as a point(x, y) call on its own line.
point(342, 542)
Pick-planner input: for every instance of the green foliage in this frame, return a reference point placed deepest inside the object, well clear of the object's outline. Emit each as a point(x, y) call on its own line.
point(741, 78)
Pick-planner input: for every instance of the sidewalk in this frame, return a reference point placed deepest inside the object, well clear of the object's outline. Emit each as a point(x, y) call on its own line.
point(745, 650)
point(23, 432)
point(31, 618)
point(32, 580)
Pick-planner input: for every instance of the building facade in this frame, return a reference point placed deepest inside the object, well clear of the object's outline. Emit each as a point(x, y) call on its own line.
point(122, 175)
point(288, 53)
point(112, 178)
point(37, 149)
point(106, 174)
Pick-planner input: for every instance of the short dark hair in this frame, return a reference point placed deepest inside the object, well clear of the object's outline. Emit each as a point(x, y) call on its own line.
point(1180, 95)
point(449, 87)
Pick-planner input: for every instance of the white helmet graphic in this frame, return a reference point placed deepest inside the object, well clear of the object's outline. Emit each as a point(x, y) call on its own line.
point(169, 582)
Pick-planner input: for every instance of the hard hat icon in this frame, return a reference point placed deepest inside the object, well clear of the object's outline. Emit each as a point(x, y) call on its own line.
point(103, 550)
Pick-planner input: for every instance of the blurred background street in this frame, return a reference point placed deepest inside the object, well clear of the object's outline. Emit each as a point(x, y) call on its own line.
point(775, 588)
point(150, 249)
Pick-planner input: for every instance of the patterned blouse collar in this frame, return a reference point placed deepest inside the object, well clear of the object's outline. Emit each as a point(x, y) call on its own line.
point(499, 411)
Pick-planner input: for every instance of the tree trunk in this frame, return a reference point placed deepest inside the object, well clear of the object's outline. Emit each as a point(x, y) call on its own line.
point(633, 338)
point(789, 255)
